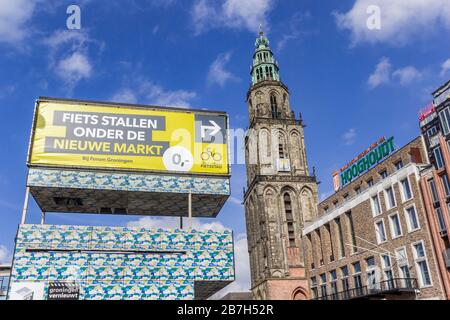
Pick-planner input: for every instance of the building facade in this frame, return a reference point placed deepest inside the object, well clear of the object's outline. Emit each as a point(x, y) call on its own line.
point(281, 194)
point(5, 274)
point(371, 239)
point(435, 183)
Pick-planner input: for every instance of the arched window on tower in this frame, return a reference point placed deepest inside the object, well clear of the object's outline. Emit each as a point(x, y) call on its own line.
point(289, 219)
point(274, 106)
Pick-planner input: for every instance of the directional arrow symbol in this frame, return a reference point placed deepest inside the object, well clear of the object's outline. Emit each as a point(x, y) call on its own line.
point(214, 127)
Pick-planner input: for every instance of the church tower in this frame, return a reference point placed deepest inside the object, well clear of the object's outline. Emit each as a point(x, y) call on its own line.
point(281, 194)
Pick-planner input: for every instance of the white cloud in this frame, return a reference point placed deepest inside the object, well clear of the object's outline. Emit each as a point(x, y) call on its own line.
point(407, 75)
point(69, 55)
point(14, 18)
point(445, 67)
point(349, 137)
point(74, 68)
point(401, 20)
point(4, 255)
point(75, 38)
point(236, 14)
point(382, 73)
point(174, 223)
point(148, 92)
point(217, 73)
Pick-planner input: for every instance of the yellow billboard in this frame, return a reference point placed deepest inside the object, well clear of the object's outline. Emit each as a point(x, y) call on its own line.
point(102, 135)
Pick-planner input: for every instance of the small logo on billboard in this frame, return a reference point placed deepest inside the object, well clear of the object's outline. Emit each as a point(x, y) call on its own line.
point(63, 291)
point(336, 181)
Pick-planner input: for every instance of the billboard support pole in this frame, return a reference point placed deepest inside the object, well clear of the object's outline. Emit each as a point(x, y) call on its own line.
point(25, 205)
point(43, 217)
point(181, 223)
point(190, 208)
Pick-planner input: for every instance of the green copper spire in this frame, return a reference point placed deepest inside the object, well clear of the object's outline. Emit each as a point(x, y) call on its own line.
point(264, 65)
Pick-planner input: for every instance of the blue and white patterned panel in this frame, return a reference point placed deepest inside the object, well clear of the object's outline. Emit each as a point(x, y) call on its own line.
point(54, 178)
point(107, 264)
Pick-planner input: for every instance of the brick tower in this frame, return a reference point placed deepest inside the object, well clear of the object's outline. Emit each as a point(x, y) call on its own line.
point(281, 194)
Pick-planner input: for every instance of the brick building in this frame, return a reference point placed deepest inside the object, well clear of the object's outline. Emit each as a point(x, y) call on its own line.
point(435, 183)
point(371, 238)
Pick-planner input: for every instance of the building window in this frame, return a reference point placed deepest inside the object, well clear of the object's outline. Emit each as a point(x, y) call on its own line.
point(358, 190)
point(438, 157)
point(345, 282)
point(406, 189)
point(345, 197)
point(333, 279)
point(387, 271)
point(432, 131)
point(357, 277)
point(352, 231)
point(341, 238)
point(326, 209)
point(371, 273)
point(391, 203)
point(380, 231)
point(330, 238)
point(370, 261)
point(319, 236)
point(4, 283)
point(399, 165)
point(370, 183)
point(274, 106)
point(289, 219)
point(411, 219)
point(383, 174)
point(313, 250)
point(376, 207)
point(434, 194)
point(444, 116)
point(420, 260)
point(446, 184)
point(314, 287)
point(396, 228)
point(403, 267)
point(440, 219)
point(323, 285)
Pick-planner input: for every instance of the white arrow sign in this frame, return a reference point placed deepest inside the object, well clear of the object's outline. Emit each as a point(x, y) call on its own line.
point(214, 127)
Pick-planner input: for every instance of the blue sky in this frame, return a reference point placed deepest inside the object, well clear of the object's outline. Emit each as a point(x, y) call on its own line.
point(352, 84)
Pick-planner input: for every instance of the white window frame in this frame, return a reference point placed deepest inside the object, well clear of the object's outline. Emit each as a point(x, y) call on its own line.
point(402, 193)
point(374, 213)
point(442, 182)
point(386, 198)
point(400, 264)
point(391, 225)
point(441, 158)
point(385, 268)
point(416, 260)
point(377, 234)
point(445, 123)
point(408, 223)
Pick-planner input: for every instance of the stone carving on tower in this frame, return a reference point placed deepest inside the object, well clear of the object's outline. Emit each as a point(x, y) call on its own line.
point(281, 194)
